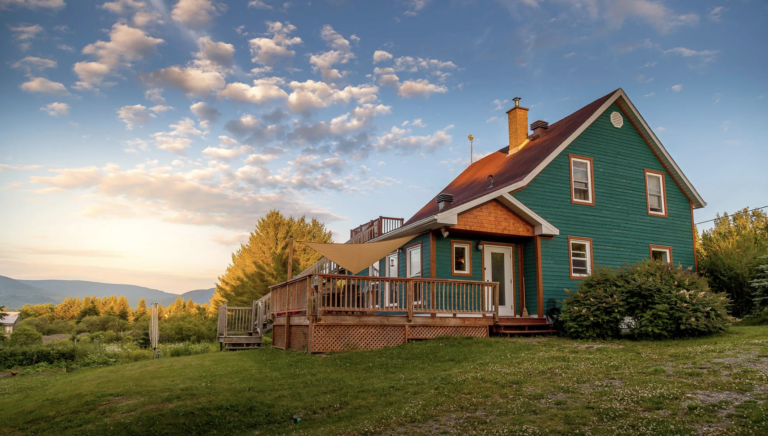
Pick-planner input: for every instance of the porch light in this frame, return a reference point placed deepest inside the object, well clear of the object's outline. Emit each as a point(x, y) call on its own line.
point(479, 245)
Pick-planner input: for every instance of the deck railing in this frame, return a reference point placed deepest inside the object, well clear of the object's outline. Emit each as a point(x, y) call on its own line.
point(319, 294)
point(244, 321)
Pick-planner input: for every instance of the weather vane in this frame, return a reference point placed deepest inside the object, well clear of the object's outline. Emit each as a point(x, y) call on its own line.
point(471, 153)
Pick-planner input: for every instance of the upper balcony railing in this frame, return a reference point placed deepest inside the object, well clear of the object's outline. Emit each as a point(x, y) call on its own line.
point(319, 294)
point(373, 229)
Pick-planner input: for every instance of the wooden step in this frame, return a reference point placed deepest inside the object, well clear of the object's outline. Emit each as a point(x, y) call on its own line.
point(238, 347)
point(241, 339)
point(529, 332)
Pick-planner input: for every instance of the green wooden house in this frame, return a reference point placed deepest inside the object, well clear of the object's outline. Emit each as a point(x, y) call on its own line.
point(596, 188)
point(495, 250)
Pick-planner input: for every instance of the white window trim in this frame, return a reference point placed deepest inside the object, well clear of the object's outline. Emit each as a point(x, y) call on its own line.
point(467, 253)
point(589, 180)
point(408, 261)
point(667, 250)
point(378, 270)
point(663, 194)
point(589, 256)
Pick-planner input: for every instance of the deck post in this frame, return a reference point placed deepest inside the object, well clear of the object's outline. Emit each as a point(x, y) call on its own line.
point(496, 304)
point(290, 259)
point(409, 299)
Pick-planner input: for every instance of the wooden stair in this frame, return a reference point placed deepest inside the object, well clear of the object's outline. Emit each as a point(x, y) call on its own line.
point(234, 343)
point(522, 326)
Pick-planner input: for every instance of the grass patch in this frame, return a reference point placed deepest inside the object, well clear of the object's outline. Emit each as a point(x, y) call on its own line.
point(449, 385)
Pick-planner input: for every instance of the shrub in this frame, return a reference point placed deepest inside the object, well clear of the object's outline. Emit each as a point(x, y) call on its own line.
point(15, 356)
point(651, 300)
point(187, 328)
point(93, 324)
point(26, 336)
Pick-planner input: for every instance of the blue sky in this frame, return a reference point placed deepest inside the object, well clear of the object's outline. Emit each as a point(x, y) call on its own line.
point(142, 140)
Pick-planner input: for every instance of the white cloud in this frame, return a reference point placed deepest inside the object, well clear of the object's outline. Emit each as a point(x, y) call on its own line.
point(75, 178)
point(19, 167)
point(262, 91)
point(134, 116)
point(677, 88)
point(381, 56)
point(491, 119)
point(398, 140)
point(686, 52)
point(652, 13)
point(31, 63)
point(33, 4)
point(177, 140)
point(219, 53)
point(419, 88)
point(194, 14)
point(143, 16)
point(136, 146)
point(258, 4)
point(716, 14)
point(44, 86)
point(205, 113)
point(650, 94)
point(126, 44)
point(309, 95)
point(226, 153)
point(155, 95)
point(268, 51)
point(190, 79)
point(340, 54)
point(415, 6)
point(415, 123)
point(25, 34)
point(55, 109)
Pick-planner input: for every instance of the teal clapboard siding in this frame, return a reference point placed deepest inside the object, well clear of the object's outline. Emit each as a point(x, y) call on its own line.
point(618, 224)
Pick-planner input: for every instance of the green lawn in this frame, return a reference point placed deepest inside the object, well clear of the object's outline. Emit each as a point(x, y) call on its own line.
point(462, 386)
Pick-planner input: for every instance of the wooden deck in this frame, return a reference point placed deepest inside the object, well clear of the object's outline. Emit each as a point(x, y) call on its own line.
point(242, 328)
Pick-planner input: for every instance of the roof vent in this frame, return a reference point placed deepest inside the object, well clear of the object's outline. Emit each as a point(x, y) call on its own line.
point(539, 128)
point(444, 200)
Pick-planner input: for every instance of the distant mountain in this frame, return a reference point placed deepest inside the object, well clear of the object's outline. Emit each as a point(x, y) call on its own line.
point(80, 288)
point(200, 296)
point(14, 294)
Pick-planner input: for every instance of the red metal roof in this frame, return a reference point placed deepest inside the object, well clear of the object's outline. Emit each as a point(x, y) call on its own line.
point(507, 170)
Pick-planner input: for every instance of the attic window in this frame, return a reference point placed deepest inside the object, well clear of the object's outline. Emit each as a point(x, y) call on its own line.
point(582, 180)
point(655, 193)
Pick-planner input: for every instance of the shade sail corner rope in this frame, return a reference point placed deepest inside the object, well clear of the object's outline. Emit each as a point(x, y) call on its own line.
point(357, 257)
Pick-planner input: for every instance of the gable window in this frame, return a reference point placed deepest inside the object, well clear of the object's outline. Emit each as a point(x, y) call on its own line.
point(580, 256)
point(655, 193)
point(662, 253)
point(582, 180)
point(461, 258)
point(413, 260)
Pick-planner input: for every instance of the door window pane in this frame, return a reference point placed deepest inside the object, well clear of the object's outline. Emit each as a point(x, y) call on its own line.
point(498, 275)
point(414, 262)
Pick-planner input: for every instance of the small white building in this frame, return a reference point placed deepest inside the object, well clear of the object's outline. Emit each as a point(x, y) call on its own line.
point(10, 321)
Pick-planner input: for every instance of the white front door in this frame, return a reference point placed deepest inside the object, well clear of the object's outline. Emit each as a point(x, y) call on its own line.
point(497, 265)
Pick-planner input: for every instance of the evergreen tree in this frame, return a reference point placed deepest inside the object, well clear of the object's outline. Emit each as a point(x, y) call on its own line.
point(122, 309)
point(67, 309)
point(729, 255)
point(89, 308)
point(141, 309)
point(760, 286)
point(191, 307)
point(261, 262)
point(178, 307)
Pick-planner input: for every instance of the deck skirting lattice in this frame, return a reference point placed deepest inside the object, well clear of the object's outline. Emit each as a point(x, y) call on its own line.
point(299, 337)
point(431, 332)
point(330, 338)
point(278, 336)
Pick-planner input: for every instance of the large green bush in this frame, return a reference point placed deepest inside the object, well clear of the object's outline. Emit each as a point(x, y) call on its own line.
point(17, 356)
point(650, 300)
point(26, 336)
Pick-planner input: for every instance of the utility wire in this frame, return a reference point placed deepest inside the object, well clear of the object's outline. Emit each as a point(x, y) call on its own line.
point(757, 208)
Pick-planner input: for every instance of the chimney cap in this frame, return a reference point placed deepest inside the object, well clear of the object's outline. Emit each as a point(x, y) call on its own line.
point(539, 124)
point(517, 101)
point(448, 198)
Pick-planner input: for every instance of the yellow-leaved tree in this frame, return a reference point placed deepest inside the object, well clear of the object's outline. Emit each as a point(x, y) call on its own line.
point(262, 261)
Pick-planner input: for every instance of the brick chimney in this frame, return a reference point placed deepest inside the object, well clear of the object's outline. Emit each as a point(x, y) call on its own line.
point(518, 125)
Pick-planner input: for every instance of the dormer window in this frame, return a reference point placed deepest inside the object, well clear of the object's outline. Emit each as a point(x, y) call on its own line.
point(655, 191)
point(582, 180)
